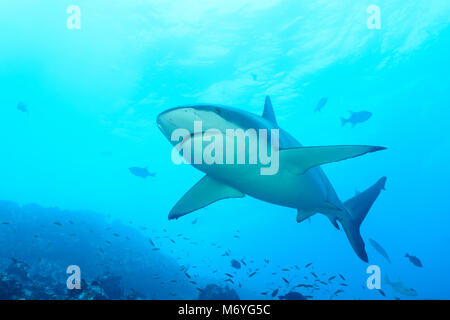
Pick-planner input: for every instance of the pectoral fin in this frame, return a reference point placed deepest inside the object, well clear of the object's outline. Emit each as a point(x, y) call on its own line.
point(304, 158)
point(303, 215)
point(208, 190)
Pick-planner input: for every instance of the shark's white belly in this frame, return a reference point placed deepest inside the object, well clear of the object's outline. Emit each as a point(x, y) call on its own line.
point(305, 192)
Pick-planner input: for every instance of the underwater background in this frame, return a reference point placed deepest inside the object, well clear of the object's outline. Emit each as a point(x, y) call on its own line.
point(78, 109)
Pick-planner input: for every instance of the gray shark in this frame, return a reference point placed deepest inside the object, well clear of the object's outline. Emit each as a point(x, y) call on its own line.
point(299, 183)
point(401, 288)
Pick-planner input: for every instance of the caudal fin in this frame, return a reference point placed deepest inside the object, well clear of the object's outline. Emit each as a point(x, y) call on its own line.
point(358, 207)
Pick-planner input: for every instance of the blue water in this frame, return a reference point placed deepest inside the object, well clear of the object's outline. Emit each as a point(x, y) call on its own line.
point(93, 95)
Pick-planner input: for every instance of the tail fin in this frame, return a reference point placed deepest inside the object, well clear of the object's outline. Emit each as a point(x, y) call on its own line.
point(358, 207)
point(343, 121)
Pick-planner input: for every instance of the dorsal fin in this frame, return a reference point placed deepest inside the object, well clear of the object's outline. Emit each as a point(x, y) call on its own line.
point(268, 113)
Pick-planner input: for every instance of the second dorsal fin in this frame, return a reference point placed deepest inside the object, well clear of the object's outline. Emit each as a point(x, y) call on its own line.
point(268, 113)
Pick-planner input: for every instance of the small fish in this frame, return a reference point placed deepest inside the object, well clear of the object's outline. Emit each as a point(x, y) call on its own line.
point(338, 291)
point(379, 249)
point(229, 275)
point(229, 280)
point(357, 117)
point(151, 242)
point(243, 262)
point(22, 107)
point(116, 235)
point(235, 264)
point(194, 221)
point(314, 275)
point(331, 278)
point(141, 172)
point(321, 104)
point(187, 275)
point(274, 293)
point(382, 292)
point(285, 269)
point(252, 274)
point(308, 265)
point(57, 223)
point(342, 277)
point(285, 280)
point(414, 260)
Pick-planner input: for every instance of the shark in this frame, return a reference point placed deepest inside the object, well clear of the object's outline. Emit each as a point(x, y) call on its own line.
point(300, 183)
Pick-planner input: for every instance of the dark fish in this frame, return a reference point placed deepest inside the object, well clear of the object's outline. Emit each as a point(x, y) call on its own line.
point(381, 292)
point(342, 277)
point(252, 274)
point(338, 291)
point(235, 264)
point(116, 235)
point(314, 275)
point(308, 265)
point(151, 242)
point(57, 223)
point(331, 278)
point(141, 172)
point(285, 280)
point(292, 296)
point(195, 221)
point(187, 275)
point(229, 280)
point(229, 275)
point(274, 293)
point(321, 104)
point(243, 262)
point(414, 260)
point(266, 261)
point(285, 269)
point(22, 107)
point(379, 249)
point(357, 117)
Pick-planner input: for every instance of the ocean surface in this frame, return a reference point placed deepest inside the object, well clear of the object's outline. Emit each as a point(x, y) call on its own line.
point(78, 109)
